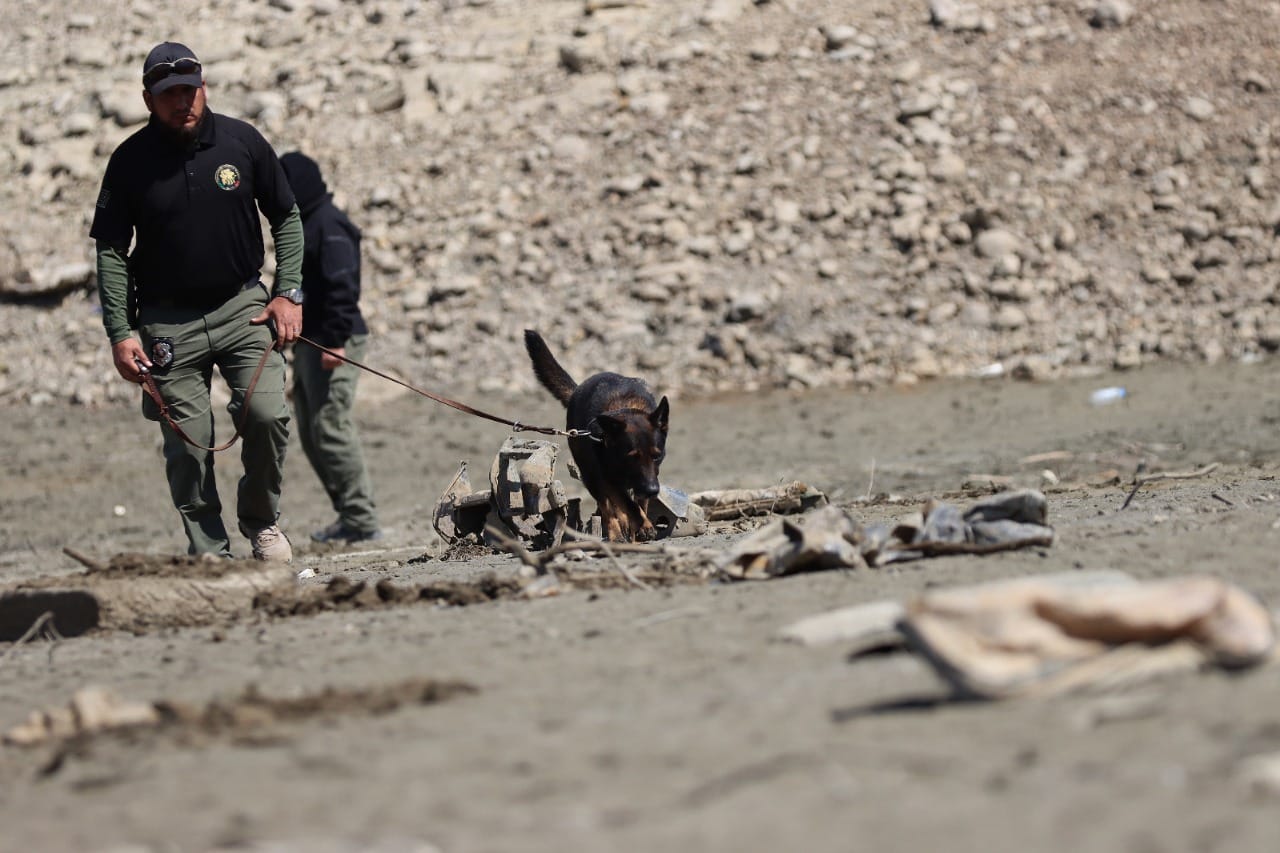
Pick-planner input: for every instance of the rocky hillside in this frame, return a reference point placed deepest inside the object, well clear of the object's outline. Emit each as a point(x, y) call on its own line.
point(715, 194)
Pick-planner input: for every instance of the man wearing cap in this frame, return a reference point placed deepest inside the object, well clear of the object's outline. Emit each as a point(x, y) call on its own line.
point(186, 191)
point(324, 386)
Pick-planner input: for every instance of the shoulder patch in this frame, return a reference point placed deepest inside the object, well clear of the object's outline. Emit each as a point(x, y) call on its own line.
point(104, 198)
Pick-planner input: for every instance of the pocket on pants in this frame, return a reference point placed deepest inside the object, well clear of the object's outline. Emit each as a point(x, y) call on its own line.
point(150, 410)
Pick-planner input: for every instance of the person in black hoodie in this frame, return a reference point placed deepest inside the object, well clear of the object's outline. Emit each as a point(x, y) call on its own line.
point(324, 387)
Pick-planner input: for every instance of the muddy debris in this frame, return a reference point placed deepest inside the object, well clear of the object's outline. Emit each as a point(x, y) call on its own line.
point(829, 538)
point(725, 504)
point(97, 710)
point(131, 565)
point(343, 593)
point(139, 594)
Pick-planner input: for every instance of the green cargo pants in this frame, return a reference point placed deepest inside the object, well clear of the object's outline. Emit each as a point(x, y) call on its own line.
point(322, 401)
point(200, 340)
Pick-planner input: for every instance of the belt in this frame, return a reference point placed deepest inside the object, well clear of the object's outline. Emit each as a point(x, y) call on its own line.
point(196, 300)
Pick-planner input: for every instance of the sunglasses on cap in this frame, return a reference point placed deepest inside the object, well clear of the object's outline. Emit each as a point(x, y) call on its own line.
point(161, 70)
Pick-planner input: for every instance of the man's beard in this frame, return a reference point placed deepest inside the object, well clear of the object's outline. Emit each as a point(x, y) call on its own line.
point(186, 136)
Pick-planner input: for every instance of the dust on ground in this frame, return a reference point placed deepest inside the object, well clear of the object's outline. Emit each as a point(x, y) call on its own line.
point(626, 718)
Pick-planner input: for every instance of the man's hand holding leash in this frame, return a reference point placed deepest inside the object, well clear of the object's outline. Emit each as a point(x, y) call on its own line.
point(286, 318)
point(130, 359)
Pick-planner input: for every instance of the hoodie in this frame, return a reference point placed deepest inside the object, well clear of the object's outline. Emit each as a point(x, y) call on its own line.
point(330, 260)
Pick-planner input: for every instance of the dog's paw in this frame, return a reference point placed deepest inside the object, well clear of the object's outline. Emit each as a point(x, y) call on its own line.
point(616, 530)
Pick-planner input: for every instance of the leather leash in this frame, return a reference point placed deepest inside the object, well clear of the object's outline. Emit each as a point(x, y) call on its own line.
point(149, 385)
point(516, 426)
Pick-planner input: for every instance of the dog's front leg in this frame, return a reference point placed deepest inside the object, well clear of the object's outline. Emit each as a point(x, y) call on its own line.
point(642, 529)
point(613, 518)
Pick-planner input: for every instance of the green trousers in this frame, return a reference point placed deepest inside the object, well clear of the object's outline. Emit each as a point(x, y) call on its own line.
point(322, 401)
point(201, 340)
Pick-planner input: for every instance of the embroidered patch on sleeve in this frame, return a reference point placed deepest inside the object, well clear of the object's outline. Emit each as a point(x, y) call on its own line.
point(104, 198)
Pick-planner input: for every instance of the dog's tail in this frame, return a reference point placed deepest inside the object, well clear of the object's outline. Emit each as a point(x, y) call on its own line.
point(549, 372)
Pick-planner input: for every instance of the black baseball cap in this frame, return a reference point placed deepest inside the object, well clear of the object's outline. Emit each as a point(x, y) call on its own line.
point(170, 64)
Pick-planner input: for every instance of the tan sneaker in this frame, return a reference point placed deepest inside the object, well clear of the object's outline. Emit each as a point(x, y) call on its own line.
point(271, 545)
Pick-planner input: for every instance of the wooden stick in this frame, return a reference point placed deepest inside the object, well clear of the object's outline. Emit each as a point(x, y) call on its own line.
point(1139, 482)
point(84, 560)
point(513, 547)
point(583, 542)
point(28, 634)
point(593, 6)
point(540, 562)
point(626, 573)
point(1179, 475)
point(1048, 456)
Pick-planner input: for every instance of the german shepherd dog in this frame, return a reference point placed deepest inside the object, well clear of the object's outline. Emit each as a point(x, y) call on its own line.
point(619, 461)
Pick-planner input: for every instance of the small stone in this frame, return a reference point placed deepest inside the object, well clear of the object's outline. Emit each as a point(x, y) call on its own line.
point(765, 49)
point(917, 105)
point(1269, 337)
point(1199, 109)
point(1261, 774)
point(1111, 13)
point(838, 37)
point(1128, 357)
point(1033, 368)
point(949, 166)
point(996, 243)
point(1010, 317)
point(747, 306)
point(1255, 82)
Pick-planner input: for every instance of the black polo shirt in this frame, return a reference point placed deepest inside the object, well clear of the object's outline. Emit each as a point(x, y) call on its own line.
point(193, 209)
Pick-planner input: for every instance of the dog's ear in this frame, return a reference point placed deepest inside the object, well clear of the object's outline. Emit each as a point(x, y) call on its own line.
point(610, 426)
point(659, 417)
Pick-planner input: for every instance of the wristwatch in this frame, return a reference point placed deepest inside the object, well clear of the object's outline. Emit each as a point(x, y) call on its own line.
point(293, 294)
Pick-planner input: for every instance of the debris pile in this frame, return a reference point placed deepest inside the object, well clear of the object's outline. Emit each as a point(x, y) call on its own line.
point(96, 710)
point(525, 501)
point(829, 538)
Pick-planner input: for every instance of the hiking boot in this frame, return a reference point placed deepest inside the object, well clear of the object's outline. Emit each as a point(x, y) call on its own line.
point(340, 533)
point(271, 545)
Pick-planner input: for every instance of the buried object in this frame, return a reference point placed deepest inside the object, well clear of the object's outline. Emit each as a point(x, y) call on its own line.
point(526, 500)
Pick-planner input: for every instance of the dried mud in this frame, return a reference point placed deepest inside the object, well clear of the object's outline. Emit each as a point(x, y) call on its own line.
point(611, 716)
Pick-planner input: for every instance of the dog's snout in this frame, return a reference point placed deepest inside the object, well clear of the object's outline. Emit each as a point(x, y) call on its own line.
point(648, 489)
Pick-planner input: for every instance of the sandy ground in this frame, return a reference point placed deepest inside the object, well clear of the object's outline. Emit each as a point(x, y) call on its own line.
point(631, 719)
